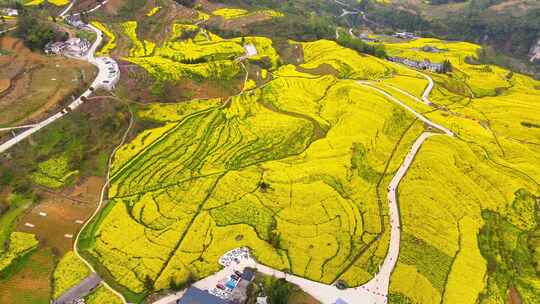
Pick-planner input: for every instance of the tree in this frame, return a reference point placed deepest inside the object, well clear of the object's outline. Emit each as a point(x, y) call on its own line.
point(35, 33)
point(275, 239)
point(279, 291)
point(175, 286)
point(346, 40)
point(447, 66)
point(148, 283)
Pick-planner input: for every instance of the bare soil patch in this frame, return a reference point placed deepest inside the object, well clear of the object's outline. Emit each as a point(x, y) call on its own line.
point(300, 297)
point(32, 83)
point(513, 296)
point(209, 6)
point(64, 212)
point(241, 23)
point(4, 85)
point(31, 285)
point(136, 84)
point(113, 6)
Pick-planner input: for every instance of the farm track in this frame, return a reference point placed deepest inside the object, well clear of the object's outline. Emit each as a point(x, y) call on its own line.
point(376, 290)
point(99, 207)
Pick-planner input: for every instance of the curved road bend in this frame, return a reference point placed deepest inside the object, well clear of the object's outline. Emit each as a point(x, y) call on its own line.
point(8, 30)
point(101, 81)
point(376, 290)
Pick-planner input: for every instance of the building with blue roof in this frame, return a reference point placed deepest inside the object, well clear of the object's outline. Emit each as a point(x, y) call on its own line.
point(195, 295)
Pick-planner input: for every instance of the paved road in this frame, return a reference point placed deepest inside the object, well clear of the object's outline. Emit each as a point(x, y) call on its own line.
point(103, 80)
point(406, 107)
point(67, 9)
point(376, 290)
point(9, 29)
point(88, 11)
point(80, 290)
point(17, 127)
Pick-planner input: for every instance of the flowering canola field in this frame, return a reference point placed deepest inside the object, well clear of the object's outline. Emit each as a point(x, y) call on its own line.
point(455, 183)
point(297, 170)
point(243, 173)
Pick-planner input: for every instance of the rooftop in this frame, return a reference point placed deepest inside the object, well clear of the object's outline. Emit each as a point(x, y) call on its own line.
point(196, 296)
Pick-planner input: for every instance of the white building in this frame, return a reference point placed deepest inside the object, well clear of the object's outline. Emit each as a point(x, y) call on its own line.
point(73, 47)
point(10, 12)
point(404, 35)
point(421, 65)
point(75, 21)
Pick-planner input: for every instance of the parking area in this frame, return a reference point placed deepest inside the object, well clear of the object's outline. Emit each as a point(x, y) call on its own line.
point(109, 74)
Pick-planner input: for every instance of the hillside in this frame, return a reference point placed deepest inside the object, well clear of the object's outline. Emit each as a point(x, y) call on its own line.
point(510, 28)
point(382, 170)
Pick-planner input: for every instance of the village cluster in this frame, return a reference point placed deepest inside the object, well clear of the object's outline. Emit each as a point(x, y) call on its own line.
point(72, 47)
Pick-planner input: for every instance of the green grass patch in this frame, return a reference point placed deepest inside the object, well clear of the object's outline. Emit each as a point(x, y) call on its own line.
point(54, 173)
point(430, 261)
point(512, 255)
point(18, 203)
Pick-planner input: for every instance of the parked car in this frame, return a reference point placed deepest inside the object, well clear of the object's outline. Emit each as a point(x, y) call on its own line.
point(238, 273)
point(220, 286)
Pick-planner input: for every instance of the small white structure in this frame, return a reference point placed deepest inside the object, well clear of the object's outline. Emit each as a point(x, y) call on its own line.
point(43, 214)
point(251, 50)
point(68, 236)
point(421, 65)
point(29, 225)
point(262, 300)
point(404, 35)
point(75, 21)
point(10, 12)
point(113, 73)
point(73, 47)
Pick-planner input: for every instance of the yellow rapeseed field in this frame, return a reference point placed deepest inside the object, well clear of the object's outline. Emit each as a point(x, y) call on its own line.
point(297, 169)
point(298, 133)
point(111, 38)
point(68, 273)
point(20, 243)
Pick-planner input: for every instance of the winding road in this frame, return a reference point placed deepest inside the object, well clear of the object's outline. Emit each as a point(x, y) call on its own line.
point(102, 81)
point(8, 30)
point(108, 75)
point(374, 291)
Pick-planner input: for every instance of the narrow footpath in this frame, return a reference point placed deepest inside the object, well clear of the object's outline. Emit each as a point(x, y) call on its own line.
point(376, 290)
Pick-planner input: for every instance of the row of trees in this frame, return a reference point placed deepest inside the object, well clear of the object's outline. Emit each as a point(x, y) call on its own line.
point(354, 43)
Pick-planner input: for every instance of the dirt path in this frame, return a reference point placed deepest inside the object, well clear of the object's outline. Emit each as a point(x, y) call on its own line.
point(100, 205)
point(376, 290)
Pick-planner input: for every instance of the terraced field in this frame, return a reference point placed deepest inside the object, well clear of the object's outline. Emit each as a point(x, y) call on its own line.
point(297, 170)
point(453, 183)
point(242, 172)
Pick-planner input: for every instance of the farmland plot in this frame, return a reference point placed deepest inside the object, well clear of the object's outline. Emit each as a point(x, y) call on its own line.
point(454, 184)
point(244, 174)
